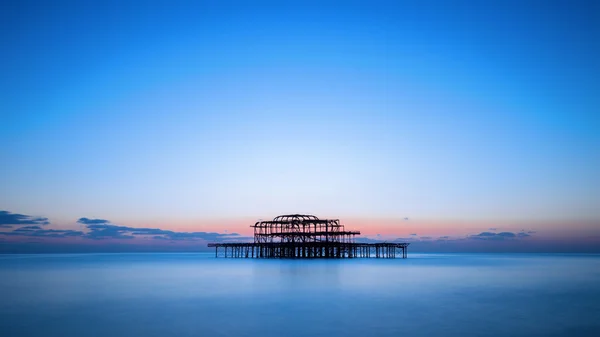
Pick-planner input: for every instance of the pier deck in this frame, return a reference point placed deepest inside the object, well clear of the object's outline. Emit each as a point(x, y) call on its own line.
point(310, 250)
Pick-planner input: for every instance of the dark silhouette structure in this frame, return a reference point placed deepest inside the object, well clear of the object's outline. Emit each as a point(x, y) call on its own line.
point(306, 236)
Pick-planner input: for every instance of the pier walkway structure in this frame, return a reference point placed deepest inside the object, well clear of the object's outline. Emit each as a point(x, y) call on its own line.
point(306, 236)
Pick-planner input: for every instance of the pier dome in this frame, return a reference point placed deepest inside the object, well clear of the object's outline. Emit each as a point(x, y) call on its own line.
point(295, 217)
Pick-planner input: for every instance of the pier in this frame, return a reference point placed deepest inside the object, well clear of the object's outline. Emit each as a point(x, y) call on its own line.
point(298, 236)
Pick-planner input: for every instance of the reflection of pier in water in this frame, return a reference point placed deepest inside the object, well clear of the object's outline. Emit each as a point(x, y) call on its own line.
point(306, 236)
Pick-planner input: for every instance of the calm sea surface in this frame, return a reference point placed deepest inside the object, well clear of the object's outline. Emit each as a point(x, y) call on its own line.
point(197, 295)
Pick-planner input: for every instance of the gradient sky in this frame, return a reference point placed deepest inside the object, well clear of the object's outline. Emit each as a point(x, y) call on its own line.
point(207, 115)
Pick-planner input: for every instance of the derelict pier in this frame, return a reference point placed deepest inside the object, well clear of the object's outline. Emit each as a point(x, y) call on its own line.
point(306, 236)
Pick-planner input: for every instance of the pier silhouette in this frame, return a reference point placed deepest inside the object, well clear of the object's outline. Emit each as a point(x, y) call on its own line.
point(306, 236)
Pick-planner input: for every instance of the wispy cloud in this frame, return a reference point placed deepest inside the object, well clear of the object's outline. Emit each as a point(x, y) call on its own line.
point(101, 229)
point(404, 239)
point(497, 236)
point(87, 221)
point(29, 228)
point(8, 219)
point(49, 233)
point(105, 230)
point(483, 236)
point(366, 240)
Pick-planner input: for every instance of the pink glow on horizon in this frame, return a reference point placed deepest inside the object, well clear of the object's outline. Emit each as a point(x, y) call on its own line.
point(369, 227)
point(393, 226)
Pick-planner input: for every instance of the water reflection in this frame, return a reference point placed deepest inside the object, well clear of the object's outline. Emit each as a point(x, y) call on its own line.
point(191, 295)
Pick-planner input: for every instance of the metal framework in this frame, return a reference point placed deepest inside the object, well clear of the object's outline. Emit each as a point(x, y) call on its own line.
point(306, 236)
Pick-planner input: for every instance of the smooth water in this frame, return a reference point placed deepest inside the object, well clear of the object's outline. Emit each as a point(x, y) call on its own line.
point(197, 295)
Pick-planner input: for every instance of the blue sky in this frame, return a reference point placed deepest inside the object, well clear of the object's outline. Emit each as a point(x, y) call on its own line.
point(473, 113)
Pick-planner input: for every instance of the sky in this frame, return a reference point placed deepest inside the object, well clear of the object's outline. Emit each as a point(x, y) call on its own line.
point(204, 116)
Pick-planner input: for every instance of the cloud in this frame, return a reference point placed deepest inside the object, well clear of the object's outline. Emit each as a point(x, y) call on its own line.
point(366, 240)
point(104, 230)
point(199, 235)
point(87, 221)
point(485, 234)
point(497, 236)
point(402, 240)
point(99, 231)
point(48, 233)
point(493, 229)
point(28, 228)
point(506, 235)
point(467, 242)
point(362, 239)
point(413, 234)
point(8, 219)
point(150, 231)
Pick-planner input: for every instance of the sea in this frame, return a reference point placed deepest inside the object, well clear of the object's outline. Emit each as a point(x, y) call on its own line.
point(114, 295)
